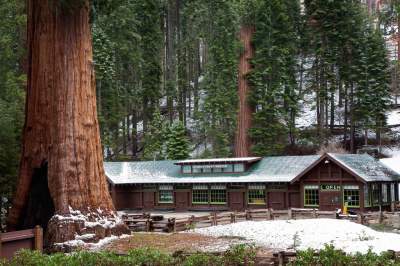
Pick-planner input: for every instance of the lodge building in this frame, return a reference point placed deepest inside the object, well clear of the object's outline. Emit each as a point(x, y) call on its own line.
point(326, 182)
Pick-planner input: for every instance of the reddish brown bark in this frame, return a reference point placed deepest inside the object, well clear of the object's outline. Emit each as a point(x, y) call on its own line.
point(61, 128)
point(242, 139)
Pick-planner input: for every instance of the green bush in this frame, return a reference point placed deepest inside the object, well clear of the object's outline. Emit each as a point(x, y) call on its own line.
point(329, 256)
point(201, 259)
point(237, 255)
point(241, 254)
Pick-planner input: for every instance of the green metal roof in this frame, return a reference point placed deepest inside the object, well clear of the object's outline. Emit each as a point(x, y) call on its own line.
point(269, 169)
point(366, 167)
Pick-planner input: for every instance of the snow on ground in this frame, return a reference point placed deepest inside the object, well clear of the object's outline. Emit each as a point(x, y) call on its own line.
point(393, 117)
point(310, 233)
point(78, 242)
point(391, 151)
point(393, 163)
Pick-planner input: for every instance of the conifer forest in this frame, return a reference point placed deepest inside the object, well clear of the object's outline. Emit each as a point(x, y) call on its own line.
point(167, 75)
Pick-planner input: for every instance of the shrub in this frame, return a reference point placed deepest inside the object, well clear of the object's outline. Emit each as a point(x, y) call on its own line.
point(149, 256)
point(238, 255)
point(329, 256)
point(201, 259)
point(241, 254)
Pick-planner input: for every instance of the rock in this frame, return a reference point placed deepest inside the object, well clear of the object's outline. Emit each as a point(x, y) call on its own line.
point(120, 229)
point(100, 231)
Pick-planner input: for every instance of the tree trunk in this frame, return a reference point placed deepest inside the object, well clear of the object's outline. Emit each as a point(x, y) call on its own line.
point(61, 141)
point(352, 122)
point(242, 139)
point(345, 118)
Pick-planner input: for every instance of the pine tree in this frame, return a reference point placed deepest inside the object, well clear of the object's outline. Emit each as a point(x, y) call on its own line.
point(274, 78)
point(177, 144)
point(155, 138)
point(218, 116)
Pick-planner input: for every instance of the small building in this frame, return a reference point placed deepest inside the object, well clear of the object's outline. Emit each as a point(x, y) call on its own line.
point(324, 181)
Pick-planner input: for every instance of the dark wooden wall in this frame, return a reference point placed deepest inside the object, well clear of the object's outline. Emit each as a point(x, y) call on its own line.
point(328, 172)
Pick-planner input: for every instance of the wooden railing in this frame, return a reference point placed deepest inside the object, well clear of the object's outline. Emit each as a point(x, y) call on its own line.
point(11, 242)
point(148, 223)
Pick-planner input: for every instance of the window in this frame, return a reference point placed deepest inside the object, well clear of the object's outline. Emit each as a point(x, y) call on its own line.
point(187, 169)
point(218, 194)
point(311, 195)
point(207, 170)
point(228, 168)
point(375, 194)
point(392, 192)
point(200, 194)
point(165, 194)
point(351, 196)
point(217, 170)
point(239, 167)
point(256, 194)
point(367, 198)
point(384, 193)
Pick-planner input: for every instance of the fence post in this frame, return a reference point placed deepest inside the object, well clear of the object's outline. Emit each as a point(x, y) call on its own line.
point(268, 214)
point(233, 217)
point(281, 258)
point(214, 217)
point(148, 225)
point(290, 213)
point(247, 215)
point(380, 216)
point(360, 218)
point(392, 206)
point(315, 213)
point(38, 233)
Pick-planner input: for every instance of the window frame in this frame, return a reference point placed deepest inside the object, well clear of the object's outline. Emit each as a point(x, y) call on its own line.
point(166, 189)
point(384, 193)
point(375, 195)
point(201, 189)
point(214, 192)
point(367, 196)
point(311, 188)
point(256, 188)
point(351, 189)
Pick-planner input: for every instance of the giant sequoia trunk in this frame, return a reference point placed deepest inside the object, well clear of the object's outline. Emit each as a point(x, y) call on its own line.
point(242, 139)
point(62, 155)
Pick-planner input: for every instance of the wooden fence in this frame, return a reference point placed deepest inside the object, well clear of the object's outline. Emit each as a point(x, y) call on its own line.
point(11, 242)
point(148, 223)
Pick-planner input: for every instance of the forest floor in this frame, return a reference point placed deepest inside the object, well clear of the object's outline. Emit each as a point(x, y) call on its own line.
point(174, 242)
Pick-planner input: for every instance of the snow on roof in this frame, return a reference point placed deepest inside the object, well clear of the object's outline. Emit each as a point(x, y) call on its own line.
point(219, 160)
point(268, 169)
point(392, 163)
point(366, 167)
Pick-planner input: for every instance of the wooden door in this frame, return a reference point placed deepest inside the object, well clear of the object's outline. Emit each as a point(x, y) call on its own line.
point(277, 200)
point(181, 200)
point(294, 200)
point(148, 199)
point(236, 200)
point(330, 200)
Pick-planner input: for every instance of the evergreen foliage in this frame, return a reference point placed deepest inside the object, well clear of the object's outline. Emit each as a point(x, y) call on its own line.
point(273, 78)
point(158, 62)
point(177, 144)
point(12, 95)
point(155, 138)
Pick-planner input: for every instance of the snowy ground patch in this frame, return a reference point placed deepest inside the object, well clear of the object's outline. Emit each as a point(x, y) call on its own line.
point(311, 233)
